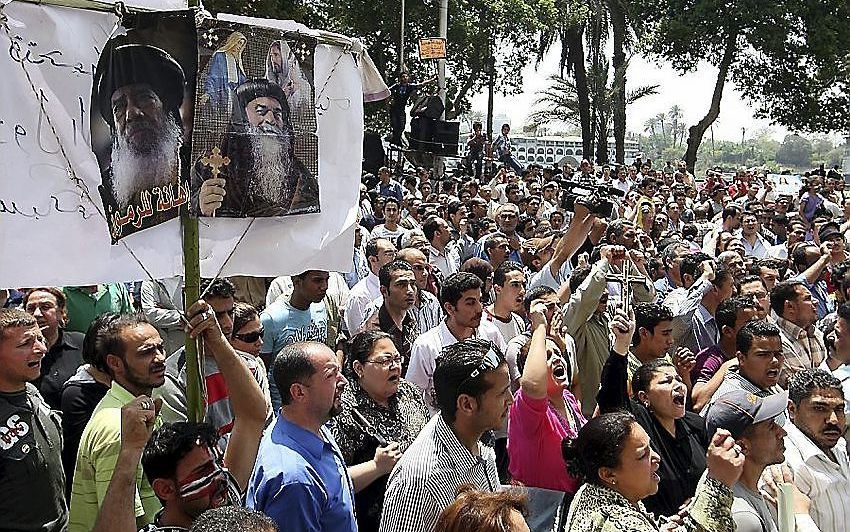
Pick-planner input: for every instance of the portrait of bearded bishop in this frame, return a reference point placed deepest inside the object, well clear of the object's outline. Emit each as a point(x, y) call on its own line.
point(255, 172)
point(139, 94)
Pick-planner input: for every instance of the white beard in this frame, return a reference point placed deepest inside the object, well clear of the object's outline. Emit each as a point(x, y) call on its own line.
point(270, 163)
point(133, 172)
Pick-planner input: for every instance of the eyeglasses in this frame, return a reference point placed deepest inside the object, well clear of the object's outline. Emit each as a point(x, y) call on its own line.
point(387, 363)
point(251, 337)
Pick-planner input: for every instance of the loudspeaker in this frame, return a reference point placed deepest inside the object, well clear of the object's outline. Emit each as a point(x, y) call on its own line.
point(428, 106)
point(446, 137)
point(373, 152)
point(434, 136)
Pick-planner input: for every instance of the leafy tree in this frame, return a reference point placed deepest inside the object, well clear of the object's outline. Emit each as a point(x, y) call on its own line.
point(795, 151)
point(781, 54)
point(802, 66)
point(560, 103)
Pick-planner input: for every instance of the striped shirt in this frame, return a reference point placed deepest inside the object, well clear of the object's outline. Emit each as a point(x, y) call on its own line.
point(825, 482)
point(424, 482)
point(803, 348)
point(427, 311)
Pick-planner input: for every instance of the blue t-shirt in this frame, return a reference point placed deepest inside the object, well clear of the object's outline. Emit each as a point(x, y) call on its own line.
point(285, 324)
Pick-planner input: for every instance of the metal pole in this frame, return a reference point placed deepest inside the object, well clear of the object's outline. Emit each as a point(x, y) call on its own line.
point(444, 31)
point(401, 41)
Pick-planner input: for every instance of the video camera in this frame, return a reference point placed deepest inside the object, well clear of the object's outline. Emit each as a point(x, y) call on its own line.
point(597, 198)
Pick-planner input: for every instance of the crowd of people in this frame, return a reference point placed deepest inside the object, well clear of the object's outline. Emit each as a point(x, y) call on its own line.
point(501, 356)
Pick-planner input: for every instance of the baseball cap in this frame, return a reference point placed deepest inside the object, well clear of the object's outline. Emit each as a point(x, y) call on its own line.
point(829, 230)
point(738, 410)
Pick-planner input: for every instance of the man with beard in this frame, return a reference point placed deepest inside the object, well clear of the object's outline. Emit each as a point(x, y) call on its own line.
point(260, 175)
point(139, 93)
point(136, 362)
point(181, 461)
point(300, 479)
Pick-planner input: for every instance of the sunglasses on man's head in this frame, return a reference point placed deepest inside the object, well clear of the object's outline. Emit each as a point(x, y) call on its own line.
point(489, 362)
point(251, 337)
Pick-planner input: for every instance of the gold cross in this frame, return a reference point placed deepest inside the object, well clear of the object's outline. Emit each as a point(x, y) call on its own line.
point(215, 161)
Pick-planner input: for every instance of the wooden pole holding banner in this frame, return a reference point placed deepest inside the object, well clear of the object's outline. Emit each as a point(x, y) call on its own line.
point(192, 292)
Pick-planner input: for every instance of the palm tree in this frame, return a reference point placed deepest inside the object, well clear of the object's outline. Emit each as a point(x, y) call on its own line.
point(675, 116)
point(559, 103)
point(649, 126)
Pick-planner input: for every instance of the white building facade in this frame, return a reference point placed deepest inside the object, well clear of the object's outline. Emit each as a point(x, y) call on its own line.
point(547, 151)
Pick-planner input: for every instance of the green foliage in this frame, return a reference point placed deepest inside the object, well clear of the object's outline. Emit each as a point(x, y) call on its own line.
point(790, 59)
point(795, 151)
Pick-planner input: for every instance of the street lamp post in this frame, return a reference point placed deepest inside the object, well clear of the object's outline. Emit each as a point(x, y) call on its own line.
point(401, 41)
point(441, 65)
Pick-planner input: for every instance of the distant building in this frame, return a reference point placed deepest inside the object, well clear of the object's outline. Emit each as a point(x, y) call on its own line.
point(547, 151)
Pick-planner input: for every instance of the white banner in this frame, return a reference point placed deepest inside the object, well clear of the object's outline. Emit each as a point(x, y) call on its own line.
point(51, 234)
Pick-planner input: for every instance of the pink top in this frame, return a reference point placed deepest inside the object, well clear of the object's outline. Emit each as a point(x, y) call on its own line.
point(535, 432)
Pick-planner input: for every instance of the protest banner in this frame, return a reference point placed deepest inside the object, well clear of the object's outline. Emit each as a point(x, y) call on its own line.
point(52, 222)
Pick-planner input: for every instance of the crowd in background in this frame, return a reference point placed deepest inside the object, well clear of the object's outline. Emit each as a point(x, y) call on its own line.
point(568, 349)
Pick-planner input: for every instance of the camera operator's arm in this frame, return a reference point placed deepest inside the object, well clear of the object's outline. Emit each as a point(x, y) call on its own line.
point(575, 236)
point(246, 398)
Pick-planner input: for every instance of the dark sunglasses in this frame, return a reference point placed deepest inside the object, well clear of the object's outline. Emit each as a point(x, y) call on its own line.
point(251, 337)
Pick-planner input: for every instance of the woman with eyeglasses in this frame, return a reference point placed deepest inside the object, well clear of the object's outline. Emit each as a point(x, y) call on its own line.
point(543, 414)
point(380, 416)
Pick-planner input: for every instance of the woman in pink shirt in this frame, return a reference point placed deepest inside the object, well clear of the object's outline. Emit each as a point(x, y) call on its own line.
point(543, 414)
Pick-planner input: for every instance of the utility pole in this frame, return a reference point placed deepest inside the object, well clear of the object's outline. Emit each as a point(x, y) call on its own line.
point(401, 41)
point(441, 65)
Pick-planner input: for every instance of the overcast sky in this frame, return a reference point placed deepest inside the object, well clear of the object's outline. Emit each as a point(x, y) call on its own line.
point(691, 92)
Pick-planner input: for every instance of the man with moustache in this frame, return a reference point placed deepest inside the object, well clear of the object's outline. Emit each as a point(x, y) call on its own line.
point(756, 425)
point(300, 479)
point(814, 449)
point(139, 93)
point(181, 461)
point(136, 362)
point(32, 491)
point(263, 177)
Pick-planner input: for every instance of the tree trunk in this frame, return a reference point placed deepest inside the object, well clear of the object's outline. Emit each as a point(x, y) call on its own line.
point(618, 61)
point(696, 132)
point(576, 64)
point(602, 139)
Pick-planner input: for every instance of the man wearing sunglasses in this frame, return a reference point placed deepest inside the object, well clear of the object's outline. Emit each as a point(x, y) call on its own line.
point(473, 392)
point(219, 295)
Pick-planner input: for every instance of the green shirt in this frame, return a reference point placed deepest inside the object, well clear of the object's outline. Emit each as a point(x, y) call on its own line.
point(96, 459)
point(84, 307)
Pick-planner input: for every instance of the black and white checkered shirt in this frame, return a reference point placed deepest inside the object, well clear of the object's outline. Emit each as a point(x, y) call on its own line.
point(425, 480)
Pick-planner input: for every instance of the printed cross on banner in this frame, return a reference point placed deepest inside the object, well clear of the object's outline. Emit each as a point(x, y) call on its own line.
point(215, 162)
